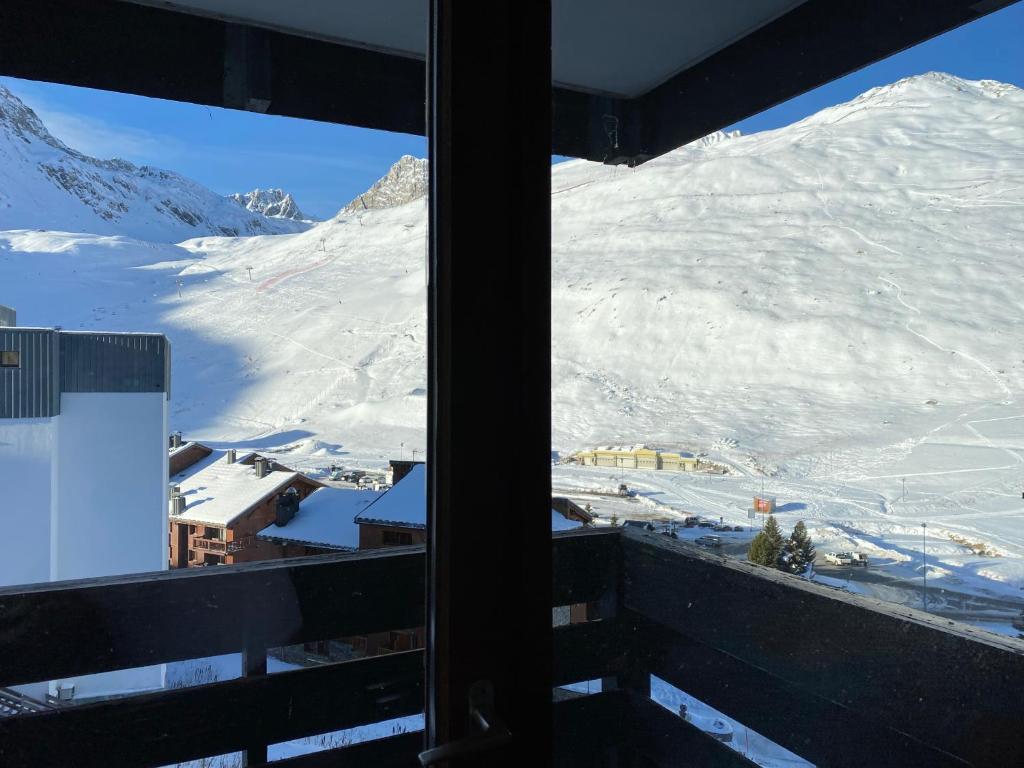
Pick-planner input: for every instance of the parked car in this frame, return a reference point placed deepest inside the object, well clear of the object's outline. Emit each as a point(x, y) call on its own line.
point(860, 558)
point(738, 528)
point(706, 524)
point(723, 527)
point(709, 541)
point(690, 522)
point(839, 558)
point(642, 524)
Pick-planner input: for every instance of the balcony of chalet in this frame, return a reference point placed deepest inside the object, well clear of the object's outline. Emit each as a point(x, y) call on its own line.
point(835, 678)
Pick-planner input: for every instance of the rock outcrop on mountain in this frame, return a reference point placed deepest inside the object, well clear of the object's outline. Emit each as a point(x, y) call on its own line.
point(272, 203)
point(45, 184)
point(404, 182)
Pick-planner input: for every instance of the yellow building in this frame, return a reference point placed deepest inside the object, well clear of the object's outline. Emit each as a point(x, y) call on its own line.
point(677, 462)
point(639, 457)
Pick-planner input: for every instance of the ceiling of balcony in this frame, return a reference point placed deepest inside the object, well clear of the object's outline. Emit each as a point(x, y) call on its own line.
point(599, 46)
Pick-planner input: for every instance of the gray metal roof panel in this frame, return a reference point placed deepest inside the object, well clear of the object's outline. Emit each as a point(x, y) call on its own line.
point(52, 362)
point(31, 390)
point(113, 362)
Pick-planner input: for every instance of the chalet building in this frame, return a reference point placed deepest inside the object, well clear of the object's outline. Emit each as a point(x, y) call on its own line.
point(182, 455)
point(399, 517)
point(637, 457)
point(397, 469)
point(570, 512)
point(325, 522)
point(216, 513)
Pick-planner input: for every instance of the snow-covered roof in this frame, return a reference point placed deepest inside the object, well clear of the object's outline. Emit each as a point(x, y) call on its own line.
point(221, 492)
point(404, 505)
point(326, 518)
point(559, 523)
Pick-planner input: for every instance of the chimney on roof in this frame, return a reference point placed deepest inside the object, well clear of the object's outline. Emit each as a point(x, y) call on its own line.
point(176, 440)
point(177, 503)
point(261, 466)
point(8, 317)
point(287, 507)
point(230, 456)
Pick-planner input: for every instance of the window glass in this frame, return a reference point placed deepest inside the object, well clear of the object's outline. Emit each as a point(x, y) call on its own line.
point(790, 349)
point(221, 352)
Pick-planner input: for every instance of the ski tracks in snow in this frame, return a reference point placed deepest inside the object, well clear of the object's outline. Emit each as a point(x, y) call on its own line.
point(910, 307)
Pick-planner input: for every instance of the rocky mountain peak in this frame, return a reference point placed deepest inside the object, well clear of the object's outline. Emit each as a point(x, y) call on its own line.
point(19, 119)
point(274, 203)
point(404, 182)
point(45, 184)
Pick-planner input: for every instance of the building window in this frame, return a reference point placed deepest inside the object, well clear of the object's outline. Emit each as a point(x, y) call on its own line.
point(10, 359)
point(397, 537)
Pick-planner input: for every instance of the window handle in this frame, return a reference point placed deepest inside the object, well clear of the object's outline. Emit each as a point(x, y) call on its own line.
point(486, 731)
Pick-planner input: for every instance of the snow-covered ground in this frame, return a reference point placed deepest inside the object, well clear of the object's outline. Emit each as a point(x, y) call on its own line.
point(830, 308)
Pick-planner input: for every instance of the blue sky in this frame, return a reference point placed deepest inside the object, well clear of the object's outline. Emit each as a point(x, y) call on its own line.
point(325, 166)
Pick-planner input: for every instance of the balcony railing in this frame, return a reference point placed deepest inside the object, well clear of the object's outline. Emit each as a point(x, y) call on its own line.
point(224, 547)
point(837, 679)
point(211, 545)
point(244, 542)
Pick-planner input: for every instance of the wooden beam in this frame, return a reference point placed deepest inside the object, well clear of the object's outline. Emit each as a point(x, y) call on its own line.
point(489, 372)
point(817, 729)
point(609, 728)
point(190, 723)
point(390, 752)
point(591, 731)
point(160, 53)
point(586, 565)
point(815, 43)
point(61, 629)
point(947, 685)
point(669, 741)
point(590, 651)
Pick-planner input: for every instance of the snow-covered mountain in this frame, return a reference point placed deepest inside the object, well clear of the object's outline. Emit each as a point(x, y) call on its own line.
point(844, 259)
point(404, 182)
point(44, 184)
point(273, 203)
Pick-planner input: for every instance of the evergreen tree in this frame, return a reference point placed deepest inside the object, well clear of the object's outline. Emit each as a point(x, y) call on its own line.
point(768, 546)
point(799, 549)
point(760, 551)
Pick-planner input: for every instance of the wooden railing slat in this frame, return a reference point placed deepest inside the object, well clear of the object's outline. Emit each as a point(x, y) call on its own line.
point(62, 629)
point(398, 751)
point(817, 729)
point(59, 630)
point(189, 723)
point(610, 728)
